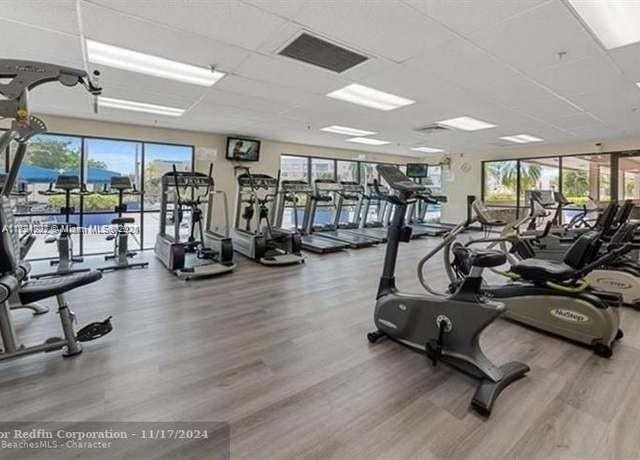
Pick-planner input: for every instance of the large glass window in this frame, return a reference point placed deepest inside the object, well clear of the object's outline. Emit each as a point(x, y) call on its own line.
point(95, 161)
point(629, 177)
point(586, 177)
point(294, 168)
point(435, 178)
point(539, 174)
point(159, 159)
point(347, 171)
point(322, 169)
point(368, 173)
point(107, 158)
point(501, 183)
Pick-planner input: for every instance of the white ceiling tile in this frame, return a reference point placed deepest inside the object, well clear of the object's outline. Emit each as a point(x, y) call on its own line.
point(108, 26)
point(229, 21)
point(284, 8)
point(588, 75)
point(41, 13)
point(628, 58)
point(287, 72)
point(389, 29)
point(243, 86)
point(465, 16)
point(39, 45)
point(532, 40)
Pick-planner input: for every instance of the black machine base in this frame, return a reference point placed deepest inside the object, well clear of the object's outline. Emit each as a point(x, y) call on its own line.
point(487, 391)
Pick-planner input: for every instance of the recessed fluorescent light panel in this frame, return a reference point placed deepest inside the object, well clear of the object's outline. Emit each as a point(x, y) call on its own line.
point(125, 59)
point(139, 107)
point(369, 97)
point(427, 149)
point(522, 138)
point(614, 22)
point(368, 141)
point(346, 130)
point(466, 124)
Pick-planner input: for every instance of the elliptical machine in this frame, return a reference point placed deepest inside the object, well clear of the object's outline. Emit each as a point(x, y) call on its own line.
point(257, 238)
point(208, 254)
point(121, 186)
point(65, 185)
point(446, 327)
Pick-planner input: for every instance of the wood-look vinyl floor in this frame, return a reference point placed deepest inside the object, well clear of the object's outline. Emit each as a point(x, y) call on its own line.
point(280, 353)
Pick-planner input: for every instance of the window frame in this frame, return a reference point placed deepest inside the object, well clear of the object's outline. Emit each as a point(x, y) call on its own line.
point(83, 161)
point(614, 157)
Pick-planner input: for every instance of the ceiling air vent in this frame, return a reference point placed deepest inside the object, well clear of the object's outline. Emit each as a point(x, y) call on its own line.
point(312, 50)
point(433, 129)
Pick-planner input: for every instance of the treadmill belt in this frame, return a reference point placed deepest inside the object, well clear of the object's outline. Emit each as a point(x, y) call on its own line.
point(353, 240)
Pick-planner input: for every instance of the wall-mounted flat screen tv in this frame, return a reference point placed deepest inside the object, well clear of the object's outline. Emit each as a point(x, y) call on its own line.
point(239, 149)
point(417, 170)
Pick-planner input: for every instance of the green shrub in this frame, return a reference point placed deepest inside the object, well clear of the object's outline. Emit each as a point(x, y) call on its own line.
point(91, 202)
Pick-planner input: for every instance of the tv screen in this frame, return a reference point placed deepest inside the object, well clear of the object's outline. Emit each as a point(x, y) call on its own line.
point(417, 170)
point(239, 149)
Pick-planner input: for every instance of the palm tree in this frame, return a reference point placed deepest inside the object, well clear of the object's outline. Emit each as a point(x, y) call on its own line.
point(506, 173)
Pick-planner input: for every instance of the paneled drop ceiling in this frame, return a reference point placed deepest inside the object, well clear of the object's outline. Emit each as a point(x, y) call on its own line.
point(527, 66)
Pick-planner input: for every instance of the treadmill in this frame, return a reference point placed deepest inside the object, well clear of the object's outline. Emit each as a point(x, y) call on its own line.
point(417, 211)
point(386, 214)
point(352, 196)
point(291, 191)
point(325, 191)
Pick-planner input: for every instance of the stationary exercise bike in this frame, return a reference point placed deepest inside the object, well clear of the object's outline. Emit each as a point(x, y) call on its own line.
point(65, 185)
point(121, 186)
point(447, 328)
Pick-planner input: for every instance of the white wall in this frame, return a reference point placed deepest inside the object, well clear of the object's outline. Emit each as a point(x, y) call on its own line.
point(210, 147)
point(461, 183)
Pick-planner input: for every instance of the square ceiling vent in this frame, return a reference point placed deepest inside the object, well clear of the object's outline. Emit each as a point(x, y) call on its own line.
point(321, 53)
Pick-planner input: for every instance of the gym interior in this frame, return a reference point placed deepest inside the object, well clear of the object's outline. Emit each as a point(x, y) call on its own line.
point(318, 229)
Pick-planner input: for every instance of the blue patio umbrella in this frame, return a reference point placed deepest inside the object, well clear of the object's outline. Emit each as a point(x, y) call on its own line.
point(33, 174)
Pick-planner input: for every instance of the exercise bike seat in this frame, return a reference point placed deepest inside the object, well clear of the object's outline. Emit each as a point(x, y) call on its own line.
point(35, 290)
point(122, 220)
point(487, 258)
point(540, 270)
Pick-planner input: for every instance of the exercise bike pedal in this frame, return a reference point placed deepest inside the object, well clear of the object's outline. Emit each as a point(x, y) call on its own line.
point(374, 336)
point(94, 330)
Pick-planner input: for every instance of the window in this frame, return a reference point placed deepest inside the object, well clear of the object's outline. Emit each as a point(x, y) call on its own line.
point(159, 159)
point(322, 169)
point(368, 173)
point(95, 161)
point(629, 177)
point(294, 168)
point(107, 158)
point(435, 178)
point(585, 178)
point(539, 174)
point(500, 183)
point(347, 171)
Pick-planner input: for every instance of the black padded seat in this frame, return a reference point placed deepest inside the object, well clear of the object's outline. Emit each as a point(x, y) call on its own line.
point(35, 290)
point(487, 258)
point(539, 270)
point(123, 220)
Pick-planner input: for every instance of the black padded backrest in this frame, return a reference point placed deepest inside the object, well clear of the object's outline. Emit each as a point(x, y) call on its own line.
point(8, 237)
point(624, 212)
point(584, 250)
point(624, 233)
point(605, 219)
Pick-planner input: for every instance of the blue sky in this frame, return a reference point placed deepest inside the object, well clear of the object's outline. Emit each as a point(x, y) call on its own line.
point(120, 156)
